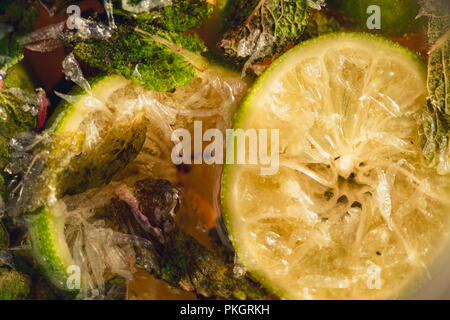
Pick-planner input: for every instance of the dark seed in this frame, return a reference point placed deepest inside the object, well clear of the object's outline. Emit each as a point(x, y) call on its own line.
point(328, 195)
point(356, 204)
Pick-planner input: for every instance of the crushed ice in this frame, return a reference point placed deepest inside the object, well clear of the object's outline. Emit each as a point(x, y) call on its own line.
point(144, 5)
point(89, 29)
point(72, 70)
point(109, 12)
point(255, 46)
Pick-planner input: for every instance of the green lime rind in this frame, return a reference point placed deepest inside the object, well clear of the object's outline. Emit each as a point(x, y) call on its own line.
point(66, 108)
point(46, 227)
point(110, 155)
point(119, 146)
point(259, 87)
point(46, 233)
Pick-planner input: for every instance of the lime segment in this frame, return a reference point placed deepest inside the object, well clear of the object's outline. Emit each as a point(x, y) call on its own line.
point(93, 137)
point(65, 233)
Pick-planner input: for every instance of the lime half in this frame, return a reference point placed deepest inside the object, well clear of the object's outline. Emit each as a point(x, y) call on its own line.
point(93, 137)
point(352, 213)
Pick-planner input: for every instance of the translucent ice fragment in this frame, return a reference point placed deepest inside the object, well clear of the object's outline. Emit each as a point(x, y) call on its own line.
point(144, 5)
point(73, 71)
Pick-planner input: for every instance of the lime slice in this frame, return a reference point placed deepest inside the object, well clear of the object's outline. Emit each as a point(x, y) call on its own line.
point(352, 213)
point(46, 233)
point(93, 136)
point(66, 235)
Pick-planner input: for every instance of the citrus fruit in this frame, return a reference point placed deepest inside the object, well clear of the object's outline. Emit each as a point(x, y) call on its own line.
point(91, 138)
point(65, 232)
point(352, 213)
